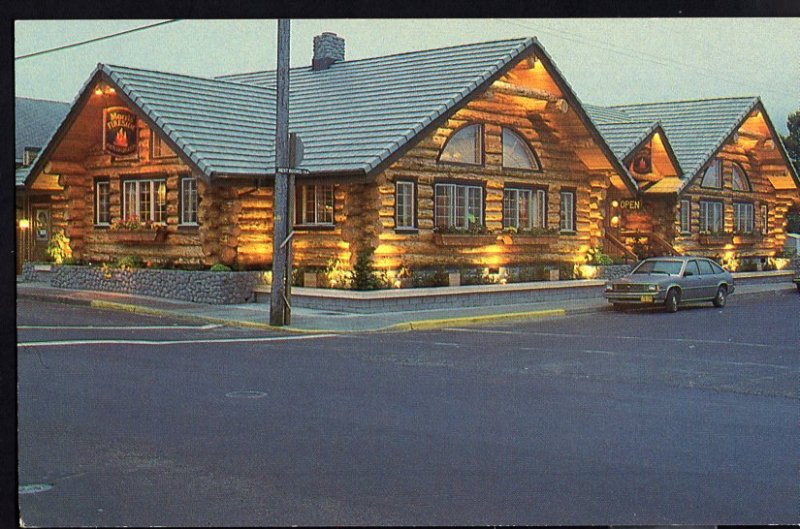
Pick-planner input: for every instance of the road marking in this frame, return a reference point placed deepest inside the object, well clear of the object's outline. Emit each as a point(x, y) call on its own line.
point(447, 344)
point(175, 342)
point(642, 338)
point(121, 328)
point(590, 351)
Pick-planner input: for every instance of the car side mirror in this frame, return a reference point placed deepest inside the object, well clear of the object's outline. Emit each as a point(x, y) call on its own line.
point(688, 273)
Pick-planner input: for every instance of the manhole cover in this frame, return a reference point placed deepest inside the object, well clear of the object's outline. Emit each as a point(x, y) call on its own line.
point(33, 489)
point(246, 394)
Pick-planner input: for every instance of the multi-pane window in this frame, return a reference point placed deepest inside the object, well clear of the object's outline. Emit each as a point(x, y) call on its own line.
point(404, 205)
point(188, 200)
point(711, 219)
point(524, 208)
point(102, 216)
point(567, 211)
point(713, 175)
point(686, 216)
point(458, 206)
point(516, 152)
point(739, 180)
point(314, 205)
point(743, 217)
point(145, 200)
point(464, 146)
point(159, 148)
point(764, 219)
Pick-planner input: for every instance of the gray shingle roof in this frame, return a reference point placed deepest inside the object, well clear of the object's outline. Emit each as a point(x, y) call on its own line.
point(222, 126)
point(695, 129)
point(355, 114)
point(35, 120)
point(625, 137)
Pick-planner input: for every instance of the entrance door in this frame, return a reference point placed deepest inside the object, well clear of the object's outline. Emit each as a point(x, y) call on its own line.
point(41, 228)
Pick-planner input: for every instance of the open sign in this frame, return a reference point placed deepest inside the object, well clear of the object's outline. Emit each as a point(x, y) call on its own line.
point(630, 204)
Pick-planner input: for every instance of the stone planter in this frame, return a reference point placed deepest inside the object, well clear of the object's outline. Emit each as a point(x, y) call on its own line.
point(464, 239)
point(715, 239)
point(133, 237)
point(189, 285)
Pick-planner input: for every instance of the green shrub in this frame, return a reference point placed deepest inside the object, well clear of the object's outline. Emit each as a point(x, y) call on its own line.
point(58, 247)
point(219, 267)
point(364, 276)
point(129, 261)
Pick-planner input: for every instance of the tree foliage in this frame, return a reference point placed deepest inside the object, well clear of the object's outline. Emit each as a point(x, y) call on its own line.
point(792, 141)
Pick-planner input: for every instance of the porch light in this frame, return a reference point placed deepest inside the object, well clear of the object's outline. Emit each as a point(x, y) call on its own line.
point(615, 221)
point(24, 224)
point(98, 91)
point(614, 204)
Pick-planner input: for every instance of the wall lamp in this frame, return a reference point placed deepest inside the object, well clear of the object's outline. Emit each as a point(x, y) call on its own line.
point(24, 224)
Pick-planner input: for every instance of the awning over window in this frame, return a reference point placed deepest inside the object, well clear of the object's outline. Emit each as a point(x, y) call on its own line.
point(665, 186)
point(782, 182)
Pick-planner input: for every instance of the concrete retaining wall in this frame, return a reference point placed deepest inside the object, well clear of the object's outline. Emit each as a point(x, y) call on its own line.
point(216, 288)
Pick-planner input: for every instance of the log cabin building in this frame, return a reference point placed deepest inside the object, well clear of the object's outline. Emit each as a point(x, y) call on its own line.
point(468, 156)
point(713, 178)
point(35, 121)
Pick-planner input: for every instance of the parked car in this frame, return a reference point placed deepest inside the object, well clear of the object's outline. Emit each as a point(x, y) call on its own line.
point(671, 281)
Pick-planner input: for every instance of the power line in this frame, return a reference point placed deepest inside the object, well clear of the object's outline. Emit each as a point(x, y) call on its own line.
point(97, 39)
point(647, 57)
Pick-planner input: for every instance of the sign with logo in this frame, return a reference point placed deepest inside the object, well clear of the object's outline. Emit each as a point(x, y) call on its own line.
point(642, 162)
point(630, 204)
point(119, 130)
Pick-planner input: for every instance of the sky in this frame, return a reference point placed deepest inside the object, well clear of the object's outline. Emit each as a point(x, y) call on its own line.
point(606, 61)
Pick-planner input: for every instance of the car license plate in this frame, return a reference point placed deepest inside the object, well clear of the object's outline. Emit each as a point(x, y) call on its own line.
point(646, 299)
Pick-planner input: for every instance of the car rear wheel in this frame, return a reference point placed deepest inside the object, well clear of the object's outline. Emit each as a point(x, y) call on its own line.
point(673, 298)
point(721, 297)
point(798, 288)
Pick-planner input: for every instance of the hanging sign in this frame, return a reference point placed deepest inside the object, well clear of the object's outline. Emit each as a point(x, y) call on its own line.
point(119, 130)
point(642, 163)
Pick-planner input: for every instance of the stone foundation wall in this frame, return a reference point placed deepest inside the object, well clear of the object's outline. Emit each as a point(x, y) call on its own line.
point(218, 288)
point(613, 271)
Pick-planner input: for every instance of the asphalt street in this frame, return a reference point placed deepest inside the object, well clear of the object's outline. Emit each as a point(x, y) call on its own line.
point(610, 418)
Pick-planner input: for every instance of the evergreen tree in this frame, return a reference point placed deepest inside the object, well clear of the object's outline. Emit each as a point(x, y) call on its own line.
point(792, 141)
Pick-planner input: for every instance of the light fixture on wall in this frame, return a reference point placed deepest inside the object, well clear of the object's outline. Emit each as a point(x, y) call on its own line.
point(103, 88)
point(24, 224)
point(615, 221)
point(614, 204)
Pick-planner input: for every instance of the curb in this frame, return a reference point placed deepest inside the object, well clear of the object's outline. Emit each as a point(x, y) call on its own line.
point(471, 320)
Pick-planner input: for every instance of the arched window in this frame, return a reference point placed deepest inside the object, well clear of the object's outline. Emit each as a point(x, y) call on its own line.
point(740, 180)
point(464, 146)
point(517, 154)
point(713, 175)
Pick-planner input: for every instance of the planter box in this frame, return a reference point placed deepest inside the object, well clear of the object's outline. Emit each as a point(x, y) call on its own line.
point(747, 238)
point(715, 239)
point(464, 239)
point(534, 240)
point(138, 236)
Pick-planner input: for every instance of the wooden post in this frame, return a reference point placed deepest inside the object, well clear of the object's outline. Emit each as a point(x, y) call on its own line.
point(280, 307)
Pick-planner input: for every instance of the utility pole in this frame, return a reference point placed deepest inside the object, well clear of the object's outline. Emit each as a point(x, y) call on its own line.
point(280, 299)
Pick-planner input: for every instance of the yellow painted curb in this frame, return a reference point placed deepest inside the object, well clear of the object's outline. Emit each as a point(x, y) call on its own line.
point(468, 320)
point(100, 304)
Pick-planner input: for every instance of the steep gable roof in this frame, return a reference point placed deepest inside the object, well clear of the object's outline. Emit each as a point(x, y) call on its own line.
point(352, 117)
point(34, 122)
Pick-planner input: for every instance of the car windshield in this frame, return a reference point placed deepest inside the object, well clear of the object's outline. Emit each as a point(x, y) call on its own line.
point(672, 268)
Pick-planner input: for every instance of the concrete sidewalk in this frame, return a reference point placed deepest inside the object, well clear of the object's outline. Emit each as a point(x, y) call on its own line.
point(309, 320)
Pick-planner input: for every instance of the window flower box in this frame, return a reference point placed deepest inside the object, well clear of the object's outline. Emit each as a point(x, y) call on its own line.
point(747, 238)
point(713, 239)
point(148, 236)
point(528, 239)
point(464, 239)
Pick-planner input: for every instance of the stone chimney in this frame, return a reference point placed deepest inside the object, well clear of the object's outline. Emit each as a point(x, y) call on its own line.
point(328, 48)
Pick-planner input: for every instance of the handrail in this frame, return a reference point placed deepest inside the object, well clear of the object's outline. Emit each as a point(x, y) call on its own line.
point(621, 246)
point(664, 244)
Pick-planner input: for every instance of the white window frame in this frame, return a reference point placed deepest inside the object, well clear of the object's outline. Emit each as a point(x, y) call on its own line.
point(764, 219)
point(157, 141)
point(537, 208)
point(459, 197)
point(743, 221)
point(153, 183)
point(404, 215)
point(97, 185)
point(712, 213)
point(307, 218)
point(686, 216)
point(191, 211)
point(567, 221)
